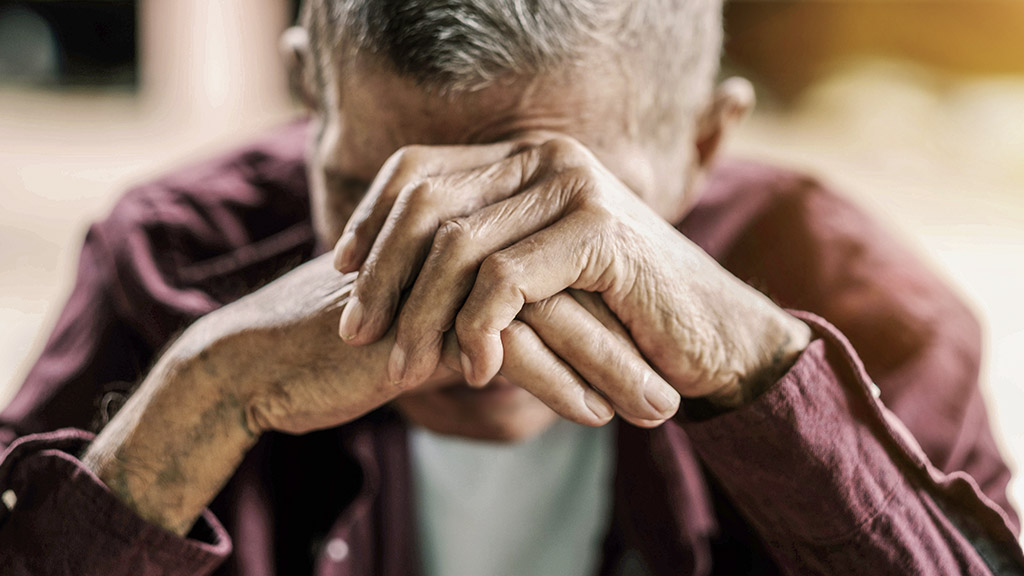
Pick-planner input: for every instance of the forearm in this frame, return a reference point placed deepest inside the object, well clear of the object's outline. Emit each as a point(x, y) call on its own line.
point(180, 437)
point(830, 481)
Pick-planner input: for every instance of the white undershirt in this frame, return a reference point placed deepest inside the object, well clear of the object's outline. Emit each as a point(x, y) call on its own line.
point(537, 508)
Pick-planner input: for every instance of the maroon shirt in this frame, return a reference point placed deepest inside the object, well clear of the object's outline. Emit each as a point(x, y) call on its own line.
point(817, 475)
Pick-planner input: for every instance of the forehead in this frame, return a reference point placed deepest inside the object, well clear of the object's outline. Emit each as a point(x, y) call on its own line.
point(378, 112)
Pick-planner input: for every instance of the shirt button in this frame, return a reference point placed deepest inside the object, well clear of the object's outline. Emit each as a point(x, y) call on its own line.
point(9, 499)
point(337, 549)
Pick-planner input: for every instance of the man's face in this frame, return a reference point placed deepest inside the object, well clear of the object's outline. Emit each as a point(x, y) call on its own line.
point(370, 113)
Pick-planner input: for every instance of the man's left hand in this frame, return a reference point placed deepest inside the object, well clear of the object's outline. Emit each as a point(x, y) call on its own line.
point(480, 231)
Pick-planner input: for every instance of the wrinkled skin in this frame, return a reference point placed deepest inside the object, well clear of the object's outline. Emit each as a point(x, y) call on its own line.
point(513, 222)
point(520, 235)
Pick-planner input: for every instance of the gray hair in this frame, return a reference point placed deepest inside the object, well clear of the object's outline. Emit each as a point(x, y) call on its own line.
point(670, 48)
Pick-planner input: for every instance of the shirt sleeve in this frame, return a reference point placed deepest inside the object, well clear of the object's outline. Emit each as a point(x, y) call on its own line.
point(93, 356)
point(810, 248)
point(169, 252)
point(835, 484)
point(58, 518)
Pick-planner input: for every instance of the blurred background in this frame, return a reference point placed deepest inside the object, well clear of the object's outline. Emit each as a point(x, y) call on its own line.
point(915, 108)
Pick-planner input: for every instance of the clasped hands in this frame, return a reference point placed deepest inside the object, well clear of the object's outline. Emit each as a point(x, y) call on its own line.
point(524, 257)
point(539, 263)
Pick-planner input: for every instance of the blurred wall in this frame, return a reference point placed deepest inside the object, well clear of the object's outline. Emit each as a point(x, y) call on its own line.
point(212, 67)
point(915, 109)
point(210, 77)
point(789, 44)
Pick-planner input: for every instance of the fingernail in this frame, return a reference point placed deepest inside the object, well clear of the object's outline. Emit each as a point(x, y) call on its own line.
point(351, 319)
point(597, 404)
point(396, 365)
point(343, 251)
point(662, 398)
point(467, 368)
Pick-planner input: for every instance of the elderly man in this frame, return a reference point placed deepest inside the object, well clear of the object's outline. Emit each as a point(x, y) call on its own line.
point(530, 240)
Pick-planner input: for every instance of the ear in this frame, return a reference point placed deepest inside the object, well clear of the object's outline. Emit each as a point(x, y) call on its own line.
point(732, 102)
point(294, 48)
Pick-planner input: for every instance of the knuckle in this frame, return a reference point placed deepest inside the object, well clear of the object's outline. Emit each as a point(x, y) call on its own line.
point(562, 151)
point(582, 178)
point(580, 182)
point(530, 140)
point(514, 333)
point(452, 233)
point(499, 269)
point(419, 194)
point(409, 157)
point(357, 226)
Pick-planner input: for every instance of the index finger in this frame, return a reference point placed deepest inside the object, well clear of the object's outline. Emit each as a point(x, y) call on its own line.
point(408, 165)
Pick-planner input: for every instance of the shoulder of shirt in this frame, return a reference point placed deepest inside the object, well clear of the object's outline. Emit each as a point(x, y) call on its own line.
point(809, 247)
point(737, 192)
point(207, 234)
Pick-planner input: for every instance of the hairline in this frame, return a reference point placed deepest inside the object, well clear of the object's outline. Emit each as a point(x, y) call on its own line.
point(344, 47)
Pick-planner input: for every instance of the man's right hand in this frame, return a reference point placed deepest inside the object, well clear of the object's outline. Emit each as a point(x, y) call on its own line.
point(273, 361)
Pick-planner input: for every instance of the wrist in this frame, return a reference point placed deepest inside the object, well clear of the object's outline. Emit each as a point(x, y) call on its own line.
point(780, 346)
point(178, 439)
